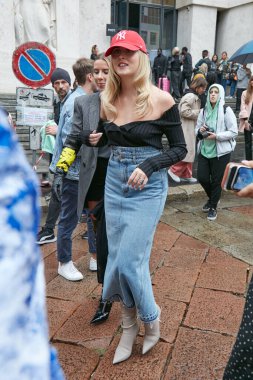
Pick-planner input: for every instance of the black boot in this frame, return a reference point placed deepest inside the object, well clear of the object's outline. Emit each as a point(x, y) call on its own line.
point(102, 312)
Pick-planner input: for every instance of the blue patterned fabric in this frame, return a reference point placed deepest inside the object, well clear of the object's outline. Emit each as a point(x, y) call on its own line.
point(25, 353)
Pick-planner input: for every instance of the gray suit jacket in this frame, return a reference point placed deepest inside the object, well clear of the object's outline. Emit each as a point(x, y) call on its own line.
point(86, 117)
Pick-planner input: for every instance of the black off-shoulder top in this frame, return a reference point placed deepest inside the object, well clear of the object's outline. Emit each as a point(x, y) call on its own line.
point(147, 133)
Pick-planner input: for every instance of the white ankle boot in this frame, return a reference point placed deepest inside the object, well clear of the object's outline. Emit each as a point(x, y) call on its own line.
point(130, 331)
point(152, 333)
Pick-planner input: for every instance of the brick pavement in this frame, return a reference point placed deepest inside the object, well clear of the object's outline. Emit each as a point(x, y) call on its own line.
point(200, 289)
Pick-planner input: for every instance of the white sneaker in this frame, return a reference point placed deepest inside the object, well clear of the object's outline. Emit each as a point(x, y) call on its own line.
point(93, 265)
point(69, 271)
point(189, 180)
point(173, 176)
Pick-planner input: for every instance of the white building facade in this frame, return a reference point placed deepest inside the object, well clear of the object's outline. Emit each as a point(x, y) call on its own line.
point(71, 27)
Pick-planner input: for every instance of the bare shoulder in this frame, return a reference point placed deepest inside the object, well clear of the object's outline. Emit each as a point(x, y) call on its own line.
point(161, 100)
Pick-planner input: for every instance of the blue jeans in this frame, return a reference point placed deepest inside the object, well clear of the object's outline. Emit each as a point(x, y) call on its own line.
point(232, 84)
point(91, 235)
point(68, 220)
point(224, 85)
point(131, 220)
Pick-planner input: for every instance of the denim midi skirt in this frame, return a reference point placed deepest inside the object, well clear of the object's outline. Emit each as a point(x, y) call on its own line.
point(131, 219)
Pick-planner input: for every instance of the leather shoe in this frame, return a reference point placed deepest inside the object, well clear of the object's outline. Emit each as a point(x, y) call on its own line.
point(102, 312)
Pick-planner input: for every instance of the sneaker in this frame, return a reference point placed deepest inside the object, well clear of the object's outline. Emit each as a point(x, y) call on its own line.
point(212, 214)
point(46, 236)
point(93, 265)
point(189, 180)
point(173, 176)
point(69, 271)
point(85, 235)
point(206, 207)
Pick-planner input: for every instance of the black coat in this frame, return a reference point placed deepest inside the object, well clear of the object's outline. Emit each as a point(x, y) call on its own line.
point(160, 66)
point(101, 240)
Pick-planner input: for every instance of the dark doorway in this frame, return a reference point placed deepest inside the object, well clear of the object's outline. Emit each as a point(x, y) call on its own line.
point(134, 17)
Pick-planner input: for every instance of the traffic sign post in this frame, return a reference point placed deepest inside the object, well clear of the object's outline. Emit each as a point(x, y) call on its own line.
point(33, 64)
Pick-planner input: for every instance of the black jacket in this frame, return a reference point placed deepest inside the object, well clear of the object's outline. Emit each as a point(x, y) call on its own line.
point(160, 65)
point(203, 60)
point(174, 63)
point(187, 63)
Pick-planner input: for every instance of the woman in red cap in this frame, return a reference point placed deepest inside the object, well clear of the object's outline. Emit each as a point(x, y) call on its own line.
point(137, 114)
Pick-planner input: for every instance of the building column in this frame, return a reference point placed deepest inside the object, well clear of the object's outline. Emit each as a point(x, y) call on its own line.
point(8, 80)
point(197, 29)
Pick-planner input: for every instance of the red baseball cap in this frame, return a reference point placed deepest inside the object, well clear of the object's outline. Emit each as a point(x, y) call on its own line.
point(127, 39)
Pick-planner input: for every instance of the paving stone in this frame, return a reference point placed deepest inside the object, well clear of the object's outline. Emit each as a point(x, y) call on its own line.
point(234, 220)
point(165, 236)
point(216, 311)
point(78, 363)
point(78, 329)
point(73, 290)
point(80, 229)
point(58, 312)
point(213, 233)
point(50, 267)
point(223, 272)
point(80, 244)
point(156, 258)
point(245, 210)
point(175, 283)
point(191, 243)
point(242, 249)
point(138, 366)
point(184, 257)
point(47, 249)
point(172, 313)
point(199, 355)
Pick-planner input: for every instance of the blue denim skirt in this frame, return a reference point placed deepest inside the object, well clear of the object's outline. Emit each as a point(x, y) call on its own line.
point(131, 219)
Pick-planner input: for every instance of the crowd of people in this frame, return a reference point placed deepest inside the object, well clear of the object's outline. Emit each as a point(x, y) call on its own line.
point(110, 163)
point(179, 69)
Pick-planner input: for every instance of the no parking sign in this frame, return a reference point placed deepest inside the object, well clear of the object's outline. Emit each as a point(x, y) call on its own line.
point(33, 64)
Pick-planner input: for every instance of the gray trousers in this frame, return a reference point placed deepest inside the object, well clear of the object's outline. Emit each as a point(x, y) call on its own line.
point(175, 77)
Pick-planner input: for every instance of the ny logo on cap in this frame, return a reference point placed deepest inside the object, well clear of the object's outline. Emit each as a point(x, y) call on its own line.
point(121, 35)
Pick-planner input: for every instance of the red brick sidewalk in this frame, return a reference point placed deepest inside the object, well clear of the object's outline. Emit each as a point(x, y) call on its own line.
point(200, 290)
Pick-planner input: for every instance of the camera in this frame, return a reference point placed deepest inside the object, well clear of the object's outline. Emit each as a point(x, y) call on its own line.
point(205, 134)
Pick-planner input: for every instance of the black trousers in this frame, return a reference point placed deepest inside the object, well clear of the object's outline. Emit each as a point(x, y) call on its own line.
point(210, 172)
point(248, 144)
point(185, 76)
point(239, 92)
point(53, 213)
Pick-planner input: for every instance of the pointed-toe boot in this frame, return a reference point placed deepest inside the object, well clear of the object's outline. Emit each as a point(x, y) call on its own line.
point(130, 331)
point(152, 333)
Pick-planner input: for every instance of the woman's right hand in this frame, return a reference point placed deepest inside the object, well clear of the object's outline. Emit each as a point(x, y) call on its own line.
point(94, 137)
point(202, 129)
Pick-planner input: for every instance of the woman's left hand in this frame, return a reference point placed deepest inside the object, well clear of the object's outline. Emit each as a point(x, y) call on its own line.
point(212, 136)
point(137, 179)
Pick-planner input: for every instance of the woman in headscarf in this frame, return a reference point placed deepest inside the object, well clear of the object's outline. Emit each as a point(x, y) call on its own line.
point(216, 130)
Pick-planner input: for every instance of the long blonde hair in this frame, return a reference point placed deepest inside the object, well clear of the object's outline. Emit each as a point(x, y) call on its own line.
point(249, 91)
point(142, 84)
point(204, 68)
